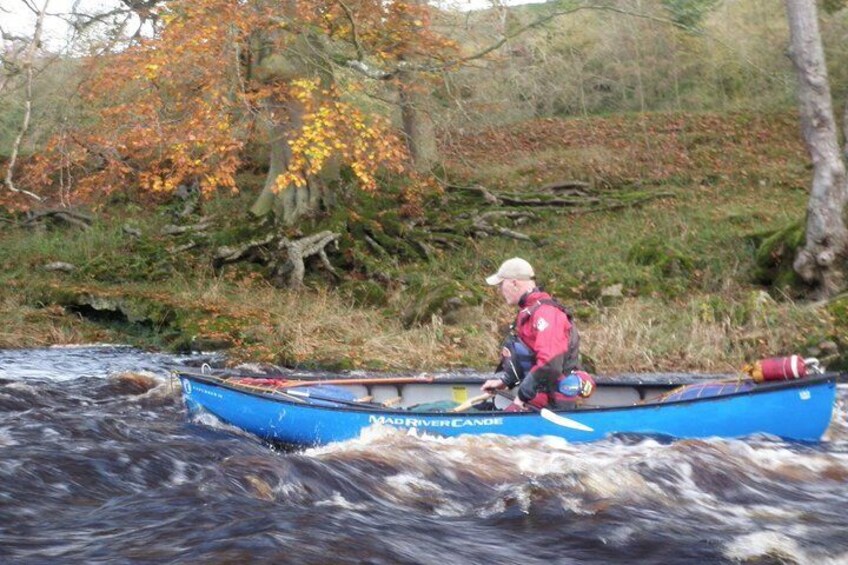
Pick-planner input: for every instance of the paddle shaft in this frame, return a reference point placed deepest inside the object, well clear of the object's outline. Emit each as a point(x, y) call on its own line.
point(287, 383)
point(371, 381)
point(472, 401)
point(301, 395)
point(511, 398)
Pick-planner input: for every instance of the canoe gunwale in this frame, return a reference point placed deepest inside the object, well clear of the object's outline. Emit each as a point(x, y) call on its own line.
point(282, 397)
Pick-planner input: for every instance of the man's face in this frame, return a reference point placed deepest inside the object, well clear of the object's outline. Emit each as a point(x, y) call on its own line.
point(511, 290)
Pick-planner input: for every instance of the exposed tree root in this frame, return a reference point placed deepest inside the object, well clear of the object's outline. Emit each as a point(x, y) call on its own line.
point(231, 254)
point(482, 224)
point(569, 196)
point(66, 215)
point(285, 257)
point(202, 225)
point(290, 271)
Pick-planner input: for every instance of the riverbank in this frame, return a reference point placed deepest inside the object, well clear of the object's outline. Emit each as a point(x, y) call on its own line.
point(662, 276)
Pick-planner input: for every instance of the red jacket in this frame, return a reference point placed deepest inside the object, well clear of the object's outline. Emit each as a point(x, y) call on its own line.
point(548, 332)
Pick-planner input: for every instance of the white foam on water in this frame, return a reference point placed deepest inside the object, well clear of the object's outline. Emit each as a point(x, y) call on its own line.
point(411, 489)
point(71, 362)
point(757, 545)
point(6, 439)
point(407, 483)
point(369, 437)
point(605, 471)
point(496, 504)
point(774, 457)
point(22, 386)
point(339, 501)
point(179, 476)
point(291, 490)
point(208, 419)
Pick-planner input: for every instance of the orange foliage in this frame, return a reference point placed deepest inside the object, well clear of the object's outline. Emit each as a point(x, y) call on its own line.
point(179, 107)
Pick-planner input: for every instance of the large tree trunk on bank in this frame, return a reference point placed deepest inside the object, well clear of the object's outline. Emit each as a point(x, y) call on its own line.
point(414, 92)
point(291, 203)
point(820, 262)
point(272, 199)
point(417, 123)
point(302, 58)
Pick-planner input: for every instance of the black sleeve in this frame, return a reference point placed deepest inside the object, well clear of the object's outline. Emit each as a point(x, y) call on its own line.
point(510, 376)
point(527, 390)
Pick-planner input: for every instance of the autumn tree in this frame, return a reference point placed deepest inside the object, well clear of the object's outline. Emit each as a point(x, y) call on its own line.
point(178, 107)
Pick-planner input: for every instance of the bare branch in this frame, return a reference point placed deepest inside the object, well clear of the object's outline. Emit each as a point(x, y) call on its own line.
point(359, 51)
point(381, 74)
point(28, 62)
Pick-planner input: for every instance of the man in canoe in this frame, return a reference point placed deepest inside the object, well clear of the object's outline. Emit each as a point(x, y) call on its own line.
point(542, 351)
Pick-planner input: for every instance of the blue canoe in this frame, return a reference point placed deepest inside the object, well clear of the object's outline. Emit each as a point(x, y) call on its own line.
point(797, 410)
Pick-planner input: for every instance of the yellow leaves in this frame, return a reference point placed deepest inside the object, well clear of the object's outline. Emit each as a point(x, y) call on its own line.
point(157, 183)
point(334, 129)
point(150, 71)
point(209, 182)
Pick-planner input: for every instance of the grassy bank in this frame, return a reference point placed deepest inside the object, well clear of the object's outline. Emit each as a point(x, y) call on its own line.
point(669, 284)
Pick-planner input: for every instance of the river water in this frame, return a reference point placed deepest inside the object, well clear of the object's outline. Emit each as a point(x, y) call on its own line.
point(99, 463)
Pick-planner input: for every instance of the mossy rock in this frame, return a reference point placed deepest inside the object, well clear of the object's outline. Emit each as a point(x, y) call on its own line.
point(775, 253)
point(131, 309)
point(441, 299)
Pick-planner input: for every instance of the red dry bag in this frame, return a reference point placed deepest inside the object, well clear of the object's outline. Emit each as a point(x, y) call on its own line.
point(777, 369)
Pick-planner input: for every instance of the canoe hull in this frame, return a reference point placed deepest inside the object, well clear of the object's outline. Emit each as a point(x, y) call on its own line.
point(797, 411)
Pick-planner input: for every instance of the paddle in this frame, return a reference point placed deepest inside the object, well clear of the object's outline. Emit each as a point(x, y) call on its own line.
point(551, 416)
point(287, 383)
point(370, 381)
point(472, 401)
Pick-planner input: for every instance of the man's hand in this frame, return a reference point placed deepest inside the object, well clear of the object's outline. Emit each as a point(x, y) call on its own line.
point(518, 402)
point(492, 385)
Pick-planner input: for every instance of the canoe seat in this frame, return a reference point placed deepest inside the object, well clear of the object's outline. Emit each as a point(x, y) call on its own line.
point(392, 401)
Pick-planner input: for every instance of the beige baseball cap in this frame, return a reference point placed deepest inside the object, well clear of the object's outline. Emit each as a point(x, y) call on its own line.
point(515, 268)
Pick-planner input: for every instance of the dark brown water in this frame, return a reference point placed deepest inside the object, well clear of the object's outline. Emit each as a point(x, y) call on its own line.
point(97, 466)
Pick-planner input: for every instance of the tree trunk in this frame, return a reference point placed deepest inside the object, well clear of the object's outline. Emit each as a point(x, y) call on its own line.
point(272, 199)
point(289, 204)
point(819, 262)
point(417, 123)
point(29, 61)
